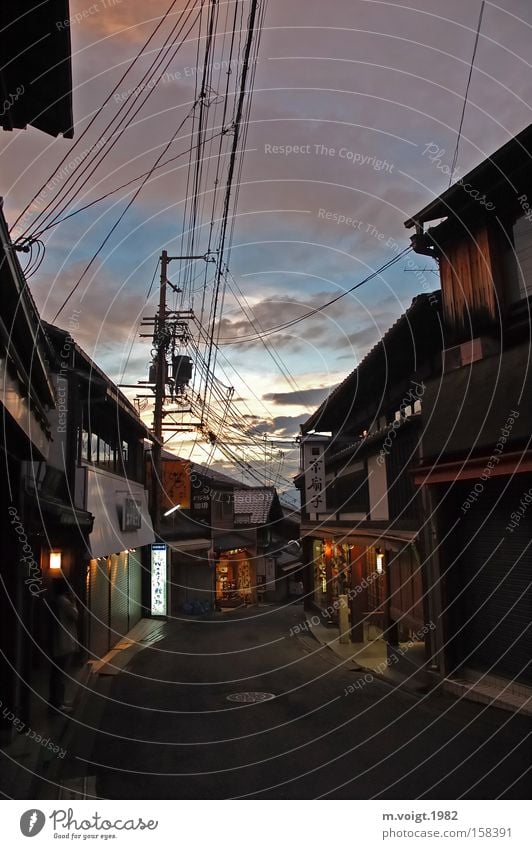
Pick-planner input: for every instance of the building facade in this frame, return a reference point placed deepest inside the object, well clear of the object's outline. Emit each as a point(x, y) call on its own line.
point(28, 400)
point(97, 464)
point(362, 516)
point(475, 468)
point(225, 541)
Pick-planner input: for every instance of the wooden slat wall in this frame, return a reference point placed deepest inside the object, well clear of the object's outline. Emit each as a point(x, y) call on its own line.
point(406, 603)
point(468, 272)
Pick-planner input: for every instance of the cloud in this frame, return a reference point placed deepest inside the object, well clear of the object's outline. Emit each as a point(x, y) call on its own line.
point(279, 426)
point(310, 397)
point(378, 80)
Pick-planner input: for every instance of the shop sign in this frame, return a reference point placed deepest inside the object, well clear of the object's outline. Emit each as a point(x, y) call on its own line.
point(158, 579)
point(201, 500)
point(131, 515)
point(176, 484)
point(314, 458)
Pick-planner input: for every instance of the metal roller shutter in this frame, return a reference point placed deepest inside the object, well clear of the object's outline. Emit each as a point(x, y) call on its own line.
point(135, 588)
point(489, 586)
point(119, 596)
point(98, 592)
point(192, 579)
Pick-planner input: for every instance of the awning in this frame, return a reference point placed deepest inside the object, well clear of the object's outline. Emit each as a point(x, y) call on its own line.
point(61, 513)
point(381, 540)
point(189, 544)
point(230, 541)
point(391, 540)
point(514, 463)
point(290, 566)
point(117, 504)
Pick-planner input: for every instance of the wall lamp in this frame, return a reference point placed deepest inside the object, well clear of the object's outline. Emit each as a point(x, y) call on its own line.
point(55, 561)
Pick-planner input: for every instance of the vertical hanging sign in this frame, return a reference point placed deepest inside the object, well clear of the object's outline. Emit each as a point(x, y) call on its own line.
point(158, 579)
point(314, 464)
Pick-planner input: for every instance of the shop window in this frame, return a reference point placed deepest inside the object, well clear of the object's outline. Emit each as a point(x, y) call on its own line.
point(103, 452)
point(340, 570)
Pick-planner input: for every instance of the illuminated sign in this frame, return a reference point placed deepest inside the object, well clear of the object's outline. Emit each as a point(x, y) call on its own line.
point(158, 579)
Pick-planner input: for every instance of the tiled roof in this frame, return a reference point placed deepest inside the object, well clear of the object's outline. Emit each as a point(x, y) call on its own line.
point(418, 326)
point(252, 506)
point(494, 171)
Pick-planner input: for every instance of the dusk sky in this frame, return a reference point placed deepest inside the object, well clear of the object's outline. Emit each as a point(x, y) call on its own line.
point(352, 98)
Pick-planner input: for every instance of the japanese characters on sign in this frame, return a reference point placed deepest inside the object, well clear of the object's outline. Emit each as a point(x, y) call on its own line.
point(176, 484)
point(131, 515)
point(315, 495)
point(158, 579)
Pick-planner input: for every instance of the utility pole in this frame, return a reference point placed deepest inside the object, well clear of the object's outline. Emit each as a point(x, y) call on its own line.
point(160, 391)
point(161, 338)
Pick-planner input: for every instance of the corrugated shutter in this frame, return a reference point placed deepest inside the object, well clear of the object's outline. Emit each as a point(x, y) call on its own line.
point(489, 586)
point(135, 588)
point(119, 596)
point(98, 593)
point(192, 579)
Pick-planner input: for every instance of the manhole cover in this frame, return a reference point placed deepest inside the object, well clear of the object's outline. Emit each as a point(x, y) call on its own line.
point(250, 698)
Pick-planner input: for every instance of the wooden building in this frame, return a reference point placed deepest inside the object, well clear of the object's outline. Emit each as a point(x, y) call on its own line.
point(361, 513)
point(476, 462)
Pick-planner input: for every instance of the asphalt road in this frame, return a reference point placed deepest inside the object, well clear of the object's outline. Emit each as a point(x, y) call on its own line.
point(164, 728)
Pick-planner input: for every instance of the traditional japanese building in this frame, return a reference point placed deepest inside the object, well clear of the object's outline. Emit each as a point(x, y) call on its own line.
point(36, 72)
point(361, 513)
point(226, 541)
point(35, 89)
point(28, 400)
point(475, 464)
point(97, 464)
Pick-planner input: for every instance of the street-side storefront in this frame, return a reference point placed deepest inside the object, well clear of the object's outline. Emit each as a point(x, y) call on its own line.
point(236, 581)
point(192, 576)
point(119, 548)
point(357, 572)
point(381, 581)
point(486, 562)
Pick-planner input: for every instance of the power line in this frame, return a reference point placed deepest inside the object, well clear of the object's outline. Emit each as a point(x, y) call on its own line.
point(288, 324)
point(134, 335)
point(455, 157)
point(98, 112)
point(119, 188)
point(232, 162)
point(255, 323)
point(123, 124)
point(120, 217)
